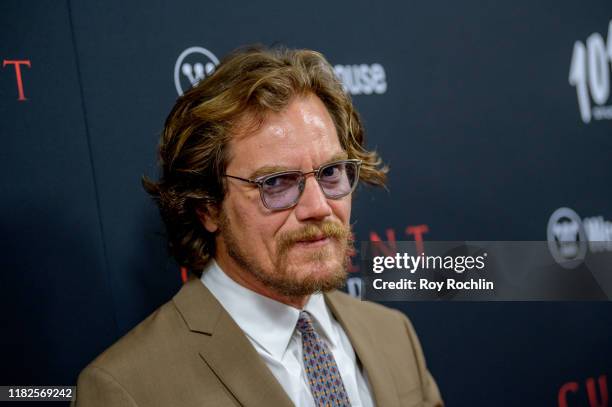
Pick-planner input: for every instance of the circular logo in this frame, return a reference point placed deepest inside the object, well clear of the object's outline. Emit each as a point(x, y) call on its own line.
point(193, 65)
point(566, 237)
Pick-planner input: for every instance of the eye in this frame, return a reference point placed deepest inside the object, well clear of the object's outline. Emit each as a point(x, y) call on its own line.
point(273, 181)
point(332, 172)
point(279, 183)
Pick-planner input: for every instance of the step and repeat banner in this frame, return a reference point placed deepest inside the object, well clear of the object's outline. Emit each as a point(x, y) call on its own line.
point(495, 120)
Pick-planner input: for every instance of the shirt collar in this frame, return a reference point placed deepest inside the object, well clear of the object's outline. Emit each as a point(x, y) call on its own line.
point(265, 321)
point(321, 317)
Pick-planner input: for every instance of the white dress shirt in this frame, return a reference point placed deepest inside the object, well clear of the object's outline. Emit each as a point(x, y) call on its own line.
point(270, 327)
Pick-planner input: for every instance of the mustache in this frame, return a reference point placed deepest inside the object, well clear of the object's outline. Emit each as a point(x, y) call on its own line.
point(328, 229)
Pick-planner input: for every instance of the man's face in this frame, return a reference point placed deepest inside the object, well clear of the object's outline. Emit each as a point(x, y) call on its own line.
point(295, 251)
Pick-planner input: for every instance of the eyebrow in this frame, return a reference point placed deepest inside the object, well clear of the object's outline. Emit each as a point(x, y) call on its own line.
point(268, 169)
point(271, 169)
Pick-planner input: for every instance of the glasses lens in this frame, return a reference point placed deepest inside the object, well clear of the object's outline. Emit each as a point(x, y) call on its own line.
point(281, 191)
point(338, 179)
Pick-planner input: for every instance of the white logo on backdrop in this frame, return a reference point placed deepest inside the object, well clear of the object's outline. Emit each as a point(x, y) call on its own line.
point(590, 74)
point(362, 79)
point(193, 65)
point(196, 63)
point(569, 236)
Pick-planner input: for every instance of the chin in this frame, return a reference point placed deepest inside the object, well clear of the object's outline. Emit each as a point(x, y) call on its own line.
point(320, 262)
point(320, 271)
point(304, 272)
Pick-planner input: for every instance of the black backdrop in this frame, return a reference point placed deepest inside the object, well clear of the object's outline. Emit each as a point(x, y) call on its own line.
point(473, 108)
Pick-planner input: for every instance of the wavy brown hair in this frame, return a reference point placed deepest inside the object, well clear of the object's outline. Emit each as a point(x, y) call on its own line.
point(193, 151)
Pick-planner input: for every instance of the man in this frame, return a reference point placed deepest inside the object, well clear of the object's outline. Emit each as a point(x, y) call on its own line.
point(259, 162)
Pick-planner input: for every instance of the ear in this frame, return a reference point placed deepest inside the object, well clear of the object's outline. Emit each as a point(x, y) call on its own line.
point(209, 216)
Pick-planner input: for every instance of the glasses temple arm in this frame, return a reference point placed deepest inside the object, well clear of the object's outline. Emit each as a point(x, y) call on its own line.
point(250, 181)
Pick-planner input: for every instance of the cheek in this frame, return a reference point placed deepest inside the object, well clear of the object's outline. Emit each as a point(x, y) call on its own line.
point(244, 208)
point(342, 209)
point(255, 226)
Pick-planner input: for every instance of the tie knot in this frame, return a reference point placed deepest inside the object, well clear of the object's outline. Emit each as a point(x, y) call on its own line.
point(304, 323)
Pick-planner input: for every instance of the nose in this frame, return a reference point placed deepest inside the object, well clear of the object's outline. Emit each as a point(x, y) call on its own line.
point(313, 204)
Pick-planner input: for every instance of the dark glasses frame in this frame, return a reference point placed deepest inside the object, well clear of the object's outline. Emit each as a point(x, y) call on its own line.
point(259, 181)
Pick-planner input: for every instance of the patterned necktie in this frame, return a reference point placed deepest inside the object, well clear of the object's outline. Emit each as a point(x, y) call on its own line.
point(323, 375)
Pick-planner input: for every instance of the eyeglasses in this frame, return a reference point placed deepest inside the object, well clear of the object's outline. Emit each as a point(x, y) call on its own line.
point(282, 190)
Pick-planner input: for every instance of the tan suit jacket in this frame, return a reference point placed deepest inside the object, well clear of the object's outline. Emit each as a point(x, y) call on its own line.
point(190, 352)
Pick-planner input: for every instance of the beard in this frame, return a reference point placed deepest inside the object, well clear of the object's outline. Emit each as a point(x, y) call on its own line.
point(328, 264)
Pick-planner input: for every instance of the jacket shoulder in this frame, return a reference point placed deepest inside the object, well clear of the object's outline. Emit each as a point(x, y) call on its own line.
point(157, 331)
point(366, 309)
point(141, 360)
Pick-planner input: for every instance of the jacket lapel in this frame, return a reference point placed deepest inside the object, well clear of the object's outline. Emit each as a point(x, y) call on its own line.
point(226, 350)
point(379, 375)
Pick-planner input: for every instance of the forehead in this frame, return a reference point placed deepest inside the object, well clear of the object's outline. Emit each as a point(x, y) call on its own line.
point(302, 136)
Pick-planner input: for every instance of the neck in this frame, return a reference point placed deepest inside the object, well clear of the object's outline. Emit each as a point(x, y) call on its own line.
point(249, 281)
